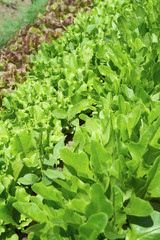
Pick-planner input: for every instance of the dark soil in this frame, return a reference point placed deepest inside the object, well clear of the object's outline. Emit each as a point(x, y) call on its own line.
point(10, 9)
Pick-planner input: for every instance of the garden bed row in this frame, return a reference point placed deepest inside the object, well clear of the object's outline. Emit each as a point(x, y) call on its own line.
point(79, 140)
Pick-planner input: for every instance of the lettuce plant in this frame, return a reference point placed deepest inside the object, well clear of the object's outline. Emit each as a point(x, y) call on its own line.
point(79, 145)
point(15, 57)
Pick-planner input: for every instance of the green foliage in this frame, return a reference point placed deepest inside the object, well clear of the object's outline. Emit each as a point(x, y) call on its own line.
point(97, 87)
point(15, 58)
